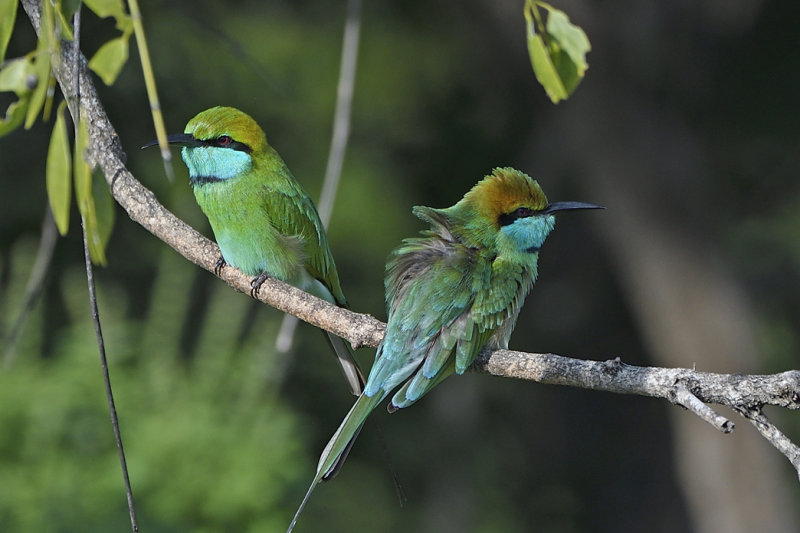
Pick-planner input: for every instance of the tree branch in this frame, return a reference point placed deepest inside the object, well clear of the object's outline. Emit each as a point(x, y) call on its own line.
point(773, 435)
point(746, 394)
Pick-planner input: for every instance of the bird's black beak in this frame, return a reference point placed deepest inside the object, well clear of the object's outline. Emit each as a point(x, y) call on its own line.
point(186, 139)
point(569, 206)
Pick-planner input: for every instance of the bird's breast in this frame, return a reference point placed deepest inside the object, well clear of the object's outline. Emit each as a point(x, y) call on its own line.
point(245, 233)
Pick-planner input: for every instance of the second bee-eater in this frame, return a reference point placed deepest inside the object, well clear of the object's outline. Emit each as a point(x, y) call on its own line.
point(263, 220)
point(451, 292)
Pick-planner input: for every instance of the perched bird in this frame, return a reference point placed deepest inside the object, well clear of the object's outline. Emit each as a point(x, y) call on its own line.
point(264, 221)
point(449, 293)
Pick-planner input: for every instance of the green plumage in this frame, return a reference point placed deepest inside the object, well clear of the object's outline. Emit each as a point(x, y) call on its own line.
point(263, 220)
point(452, 291)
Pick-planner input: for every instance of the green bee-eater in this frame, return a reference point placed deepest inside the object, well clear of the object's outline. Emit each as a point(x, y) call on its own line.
point(449, 293)
point(263, 220)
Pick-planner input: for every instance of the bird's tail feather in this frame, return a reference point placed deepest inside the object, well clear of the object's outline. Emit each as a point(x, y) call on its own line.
point(336, 450)
point(350, 369)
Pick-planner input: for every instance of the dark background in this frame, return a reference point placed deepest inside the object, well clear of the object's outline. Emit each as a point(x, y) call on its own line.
point(685, 128)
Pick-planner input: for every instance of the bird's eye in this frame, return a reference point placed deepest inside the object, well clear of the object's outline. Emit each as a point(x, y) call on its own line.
point(224, 140)
point(508, 218)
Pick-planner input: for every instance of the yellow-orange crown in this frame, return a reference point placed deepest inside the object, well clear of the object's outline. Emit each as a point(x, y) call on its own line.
point(218, 121)
point(502, 192)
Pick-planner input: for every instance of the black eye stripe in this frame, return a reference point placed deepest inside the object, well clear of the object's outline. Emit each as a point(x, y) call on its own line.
point(226, 141)
point(521, 212)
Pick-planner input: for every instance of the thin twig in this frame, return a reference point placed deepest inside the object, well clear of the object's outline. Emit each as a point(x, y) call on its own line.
point(339, 138)
point(107, 381)
point(344, 105)
point(773, 435)
point(93, 294)
point(41, 266)
point(685, 398)
point(150, 86)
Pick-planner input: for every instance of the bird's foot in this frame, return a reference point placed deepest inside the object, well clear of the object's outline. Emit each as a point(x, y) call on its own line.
point(219, 265)
point(255, 285)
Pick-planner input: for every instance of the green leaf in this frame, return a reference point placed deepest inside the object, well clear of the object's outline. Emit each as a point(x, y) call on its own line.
point(41, 69)
point(69, 7)
point(544, 69)
point(63, 12)
point(110, 58)
point(41, 64)
point(571, 39)
point(15, 115)
point(107, 8)
point(557, 50)
point(104, 207)
point(83, 195)
point(112, 8)
point(48, 102)
point(8, 14)
point(59, 172)
point(14, 75)
point(125, 24)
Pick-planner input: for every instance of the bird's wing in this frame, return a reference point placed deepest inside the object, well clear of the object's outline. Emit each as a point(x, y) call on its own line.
point(445, 301)
point(427, 290)
point(460, 341)
point(294, 214)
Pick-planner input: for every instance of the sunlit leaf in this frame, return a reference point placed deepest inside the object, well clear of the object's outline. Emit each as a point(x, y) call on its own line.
point(41, 64)
point(48, 101)
point(8, 14)
point(15, 115)
point(571, 39)
point(83, 195)
point(106, 8)
point(557, 50)
point(545, 71)
point(14, 75)
point(62, 14)
point(59, 172)
point(42, 72)
point(110, 58)
point(125, 24)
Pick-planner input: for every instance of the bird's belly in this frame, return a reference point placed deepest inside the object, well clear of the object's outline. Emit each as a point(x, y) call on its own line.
point(260, 250)
point(249, 241)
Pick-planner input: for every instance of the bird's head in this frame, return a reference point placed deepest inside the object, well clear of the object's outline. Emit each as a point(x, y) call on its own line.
point(218, 144)
point(509, 210)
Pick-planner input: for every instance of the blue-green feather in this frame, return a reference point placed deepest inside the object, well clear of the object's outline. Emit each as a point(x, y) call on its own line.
point(215, 162)
point(455, 289)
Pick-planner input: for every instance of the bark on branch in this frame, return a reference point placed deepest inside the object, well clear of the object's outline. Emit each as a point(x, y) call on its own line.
point(693, 390)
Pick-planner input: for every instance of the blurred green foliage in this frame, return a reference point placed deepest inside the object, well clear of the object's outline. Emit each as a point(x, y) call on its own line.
point(214, 447)
point(223, 435)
